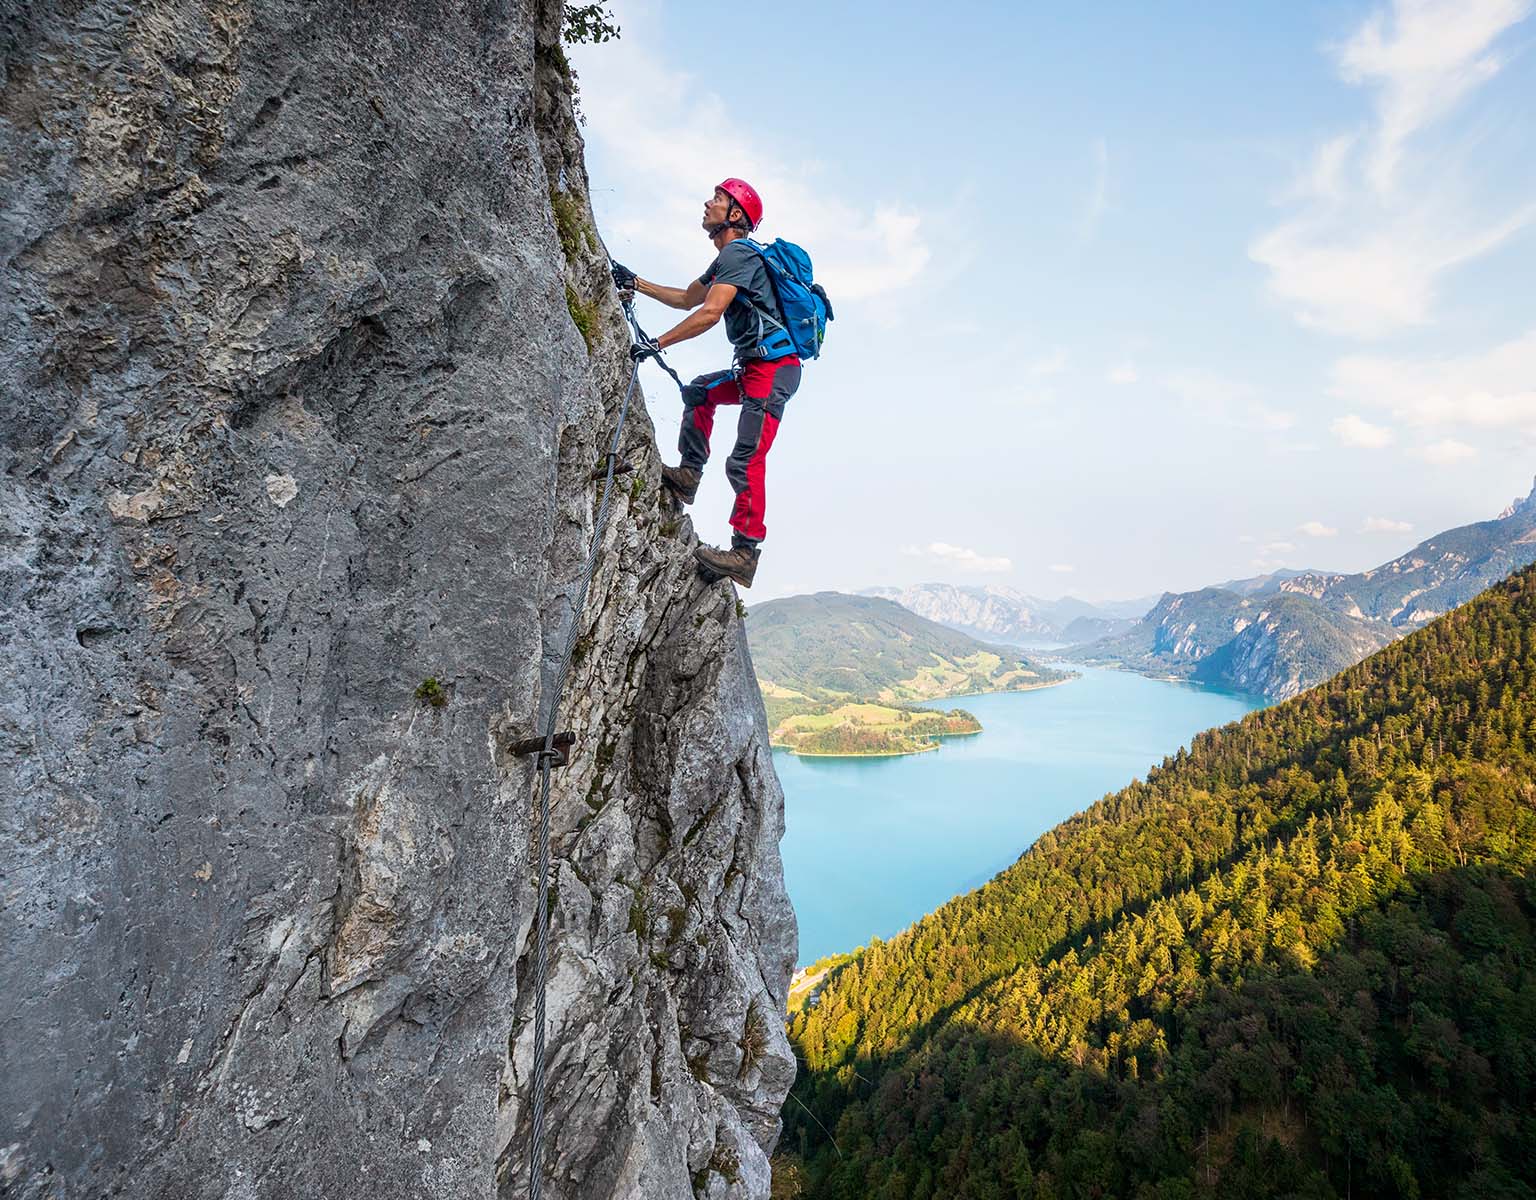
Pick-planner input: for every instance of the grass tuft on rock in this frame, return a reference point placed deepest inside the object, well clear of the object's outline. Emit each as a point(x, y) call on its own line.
point(584, 316)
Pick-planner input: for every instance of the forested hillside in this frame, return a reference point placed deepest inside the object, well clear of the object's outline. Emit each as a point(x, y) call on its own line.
point(834, 646)
point(1299, 960)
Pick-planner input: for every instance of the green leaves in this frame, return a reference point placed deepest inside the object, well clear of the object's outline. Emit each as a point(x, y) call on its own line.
point(588, 23)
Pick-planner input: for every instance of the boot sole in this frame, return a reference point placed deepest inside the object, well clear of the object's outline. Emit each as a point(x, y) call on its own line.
point(713, 576)
point(682, 496)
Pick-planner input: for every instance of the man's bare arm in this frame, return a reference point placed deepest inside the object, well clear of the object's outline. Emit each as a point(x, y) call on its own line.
point(716, 300)
point(689, 297)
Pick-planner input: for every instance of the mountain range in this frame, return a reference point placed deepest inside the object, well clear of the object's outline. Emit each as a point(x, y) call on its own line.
point(1003, 614)
point(1279, 634)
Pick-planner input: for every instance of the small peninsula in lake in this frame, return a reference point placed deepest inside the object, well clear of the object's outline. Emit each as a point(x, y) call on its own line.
point(845, 676)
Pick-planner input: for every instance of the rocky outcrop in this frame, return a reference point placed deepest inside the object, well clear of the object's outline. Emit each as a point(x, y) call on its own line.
point(1273, 644)
point(309, 353)
point(1288, 646)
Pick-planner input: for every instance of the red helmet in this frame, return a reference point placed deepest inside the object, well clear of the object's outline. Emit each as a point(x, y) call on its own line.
point(745, 195)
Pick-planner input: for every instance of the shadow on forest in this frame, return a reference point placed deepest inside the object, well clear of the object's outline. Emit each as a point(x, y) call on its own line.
point(1403, 1063)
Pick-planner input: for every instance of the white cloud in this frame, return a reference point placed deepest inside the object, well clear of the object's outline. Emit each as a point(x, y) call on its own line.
point(1122, 374)
point(1271, 555)
point(1053, 363)
point(1447, 450)
point(1097, 201)
point(1385, 525)
point(962, 557)
point(1206, 390)
point(1492, 390)
point(1422, 59)
point(1317, 529)
point(1363, 283)
point(1270, 420)
point(673, 137)
point(1223, 401)
point(1363, 250)
point(1355, 431)
point(1063, 568)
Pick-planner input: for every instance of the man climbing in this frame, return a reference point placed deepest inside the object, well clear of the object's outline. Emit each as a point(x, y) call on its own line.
point(764, 377)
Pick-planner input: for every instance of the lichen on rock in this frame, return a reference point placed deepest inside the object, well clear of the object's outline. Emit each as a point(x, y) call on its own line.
point(298, 417)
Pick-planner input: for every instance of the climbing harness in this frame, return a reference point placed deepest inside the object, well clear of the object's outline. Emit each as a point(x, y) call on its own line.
point(553, 751)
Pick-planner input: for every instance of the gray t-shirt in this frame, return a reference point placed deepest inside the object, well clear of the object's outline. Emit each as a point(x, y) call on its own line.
point(742, 267)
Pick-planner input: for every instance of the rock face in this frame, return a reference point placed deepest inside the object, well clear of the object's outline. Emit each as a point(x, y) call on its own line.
point(1274, 644)
point(309, 353)
point(1287, 646)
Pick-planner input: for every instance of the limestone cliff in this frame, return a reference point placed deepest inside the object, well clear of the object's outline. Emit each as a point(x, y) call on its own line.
point(308, 354)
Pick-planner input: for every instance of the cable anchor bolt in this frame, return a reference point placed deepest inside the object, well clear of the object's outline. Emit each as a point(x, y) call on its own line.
point(558, 753)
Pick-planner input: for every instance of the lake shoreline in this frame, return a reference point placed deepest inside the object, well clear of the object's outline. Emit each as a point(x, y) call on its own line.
point(928, 827)
point(853, 753)
point(964, 733)
point(1034, 687)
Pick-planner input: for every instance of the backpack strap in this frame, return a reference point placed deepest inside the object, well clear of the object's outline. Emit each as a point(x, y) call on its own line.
point(762, 253)
point(775, 342)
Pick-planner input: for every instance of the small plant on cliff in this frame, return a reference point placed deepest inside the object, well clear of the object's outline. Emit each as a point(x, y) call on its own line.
point(584, 315)
point(571, 224)
point(639, 920)
point(723, 1162)
point(788, 1177)
point(429, 691)
point(589, 23)
point(754, 1042)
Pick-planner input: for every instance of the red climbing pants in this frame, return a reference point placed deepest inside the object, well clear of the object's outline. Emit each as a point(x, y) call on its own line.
point(762, 387)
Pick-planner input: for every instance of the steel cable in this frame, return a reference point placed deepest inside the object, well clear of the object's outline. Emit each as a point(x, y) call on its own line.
point(546, 759)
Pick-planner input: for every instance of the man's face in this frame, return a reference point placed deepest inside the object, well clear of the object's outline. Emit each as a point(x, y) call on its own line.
point(717, 210)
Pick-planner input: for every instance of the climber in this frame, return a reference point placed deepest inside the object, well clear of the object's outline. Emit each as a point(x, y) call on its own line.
point(765, 375)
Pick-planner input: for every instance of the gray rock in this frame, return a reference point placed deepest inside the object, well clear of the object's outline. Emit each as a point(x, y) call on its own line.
point(298, 416)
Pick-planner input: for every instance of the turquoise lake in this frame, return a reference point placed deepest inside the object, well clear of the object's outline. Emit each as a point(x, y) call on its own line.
point(871, 844)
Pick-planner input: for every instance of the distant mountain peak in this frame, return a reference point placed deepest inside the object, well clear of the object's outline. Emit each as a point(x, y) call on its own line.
point(1519, 505)
point(997, 612)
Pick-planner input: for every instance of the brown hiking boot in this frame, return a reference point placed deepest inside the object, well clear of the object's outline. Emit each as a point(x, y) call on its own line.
point(738, 563)
point(684, 482)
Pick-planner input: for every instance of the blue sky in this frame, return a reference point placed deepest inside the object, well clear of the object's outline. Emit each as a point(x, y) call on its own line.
point(1130, 298)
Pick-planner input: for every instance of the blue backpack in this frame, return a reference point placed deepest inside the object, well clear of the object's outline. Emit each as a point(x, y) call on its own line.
point(802, 302)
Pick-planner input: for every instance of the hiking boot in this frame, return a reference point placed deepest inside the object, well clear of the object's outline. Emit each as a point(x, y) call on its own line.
point(684, 481)
point(738, 563)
